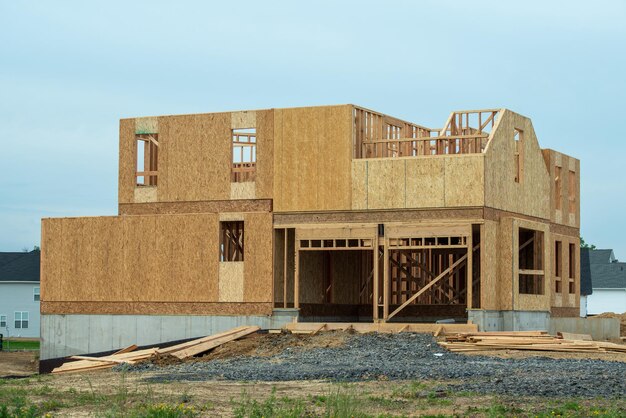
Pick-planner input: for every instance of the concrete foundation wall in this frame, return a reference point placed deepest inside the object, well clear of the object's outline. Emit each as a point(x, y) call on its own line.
point(510, 320)
point(66, 335)
point(599, 328)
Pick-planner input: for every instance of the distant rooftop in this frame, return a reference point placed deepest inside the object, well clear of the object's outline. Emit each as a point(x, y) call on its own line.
point(601, 269)
point(19, 267)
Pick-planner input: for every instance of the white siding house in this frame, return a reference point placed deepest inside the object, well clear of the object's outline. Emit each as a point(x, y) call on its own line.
point(608, 281)
point(19, 294)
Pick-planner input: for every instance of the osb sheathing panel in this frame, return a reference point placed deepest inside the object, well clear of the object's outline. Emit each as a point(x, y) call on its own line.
point(146, 194)
point(231, 281)
point(157, 308)
point(504, 290)
point(489, 266)
point(425, 179)
point(264, 183)
point(535, 302)
point(418, 182)
point(127, 161)
point(164, 258)
point(563, 216)
point(195, 157)
point(565, 299)
point(530, 195)
point(258, 237)
point(312, 159)
point(162, 208)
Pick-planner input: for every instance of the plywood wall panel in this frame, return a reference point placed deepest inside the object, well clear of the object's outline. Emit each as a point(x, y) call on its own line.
point(160, 258)
point(425, 182)
point(127, 161)
point(489, 266)
point(195, 157)
point(265, 154)
point(418, 182)
point(386, 186)
point(258, 257)
point(312, 168)
point(531, 195)
point(464, 181)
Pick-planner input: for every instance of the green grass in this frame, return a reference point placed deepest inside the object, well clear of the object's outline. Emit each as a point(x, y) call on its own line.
point(20, 345)
point(39, 396)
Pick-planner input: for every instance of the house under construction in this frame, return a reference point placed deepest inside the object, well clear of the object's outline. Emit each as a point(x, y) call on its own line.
point(332, 213)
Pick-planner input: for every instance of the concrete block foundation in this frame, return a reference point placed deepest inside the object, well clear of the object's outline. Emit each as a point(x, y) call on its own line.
point(599, 328)
point(68, 335)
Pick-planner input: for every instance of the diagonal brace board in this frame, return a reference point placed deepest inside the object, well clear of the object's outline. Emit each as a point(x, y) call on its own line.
point(429, 285)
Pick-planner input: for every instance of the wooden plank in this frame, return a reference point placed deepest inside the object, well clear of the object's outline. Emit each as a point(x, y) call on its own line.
point(188, 344)
point(574, 337)
point(216, 342)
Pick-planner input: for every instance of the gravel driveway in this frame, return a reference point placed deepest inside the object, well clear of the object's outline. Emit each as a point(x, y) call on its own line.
point(409, 356)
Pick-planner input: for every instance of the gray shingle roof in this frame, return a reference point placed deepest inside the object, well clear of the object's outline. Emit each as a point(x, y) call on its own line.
point(601, 256)
point(600, 270)
point(609, 276)
point(19, 267)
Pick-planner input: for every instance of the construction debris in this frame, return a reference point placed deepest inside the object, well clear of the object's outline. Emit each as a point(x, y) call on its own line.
point(130, 356)
point(526, 340)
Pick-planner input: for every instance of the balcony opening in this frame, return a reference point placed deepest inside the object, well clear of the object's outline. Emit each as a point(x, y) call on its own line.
point(244, 155)
point(147, 159)
point(381, 136)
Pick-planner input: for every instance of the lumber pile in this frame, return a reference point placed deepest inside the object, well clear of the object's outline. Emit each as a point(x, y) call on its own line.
point(128, 355)
point(526, 340)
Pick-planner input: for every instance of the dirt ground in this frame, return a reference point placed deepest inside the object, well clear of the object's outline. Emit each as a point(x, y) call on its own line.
point(110, 393)
point(18, 363)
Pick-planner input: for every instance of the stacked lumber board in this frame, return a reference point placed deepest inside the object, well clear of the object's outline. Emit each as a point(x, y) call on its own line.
point(128, 355)
point(364, 327)
point(526, 340)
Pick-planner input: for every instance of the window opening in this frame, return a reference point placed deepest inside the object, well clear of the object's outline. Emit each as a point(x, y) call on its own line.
point(244, 155)
point(231, 241)
point(147, 159)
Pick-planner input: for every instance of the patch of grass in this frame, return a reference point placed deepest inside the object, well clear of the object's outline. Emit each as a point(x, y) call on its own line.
point(247, 407)
point(19, 345)
point(161, 410)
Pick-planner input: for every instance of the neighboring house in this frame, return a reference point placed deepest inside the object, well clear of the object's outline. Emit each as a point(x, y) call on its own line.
point(585, 280)
point(19, 294)
point(608, 280)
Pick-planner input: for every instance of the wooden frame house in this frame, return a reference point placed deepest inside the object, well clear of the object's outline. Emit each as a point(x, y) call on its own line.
point(332, 213)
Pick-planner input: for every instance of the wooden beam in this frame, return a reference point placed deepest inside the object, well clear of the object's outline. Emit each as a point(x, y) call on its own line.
point(285, 241)
point(468, 274)
point(376, 278)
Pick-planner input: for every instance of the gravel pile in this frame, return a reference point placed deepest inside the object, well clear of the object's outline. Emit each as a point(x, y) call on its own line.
point(411, 356)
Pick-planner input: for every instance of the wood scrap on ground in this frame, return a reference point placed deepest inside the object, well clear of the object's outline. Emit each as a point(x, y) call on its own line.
point(130, 356)
point(526, 340)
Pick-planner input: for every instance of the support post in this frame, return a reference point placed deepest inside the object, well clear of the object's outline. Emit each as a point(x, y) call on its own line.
point(469, 268)
point(385, 279)
point(375, 279)
point(296, 277)
point(285, 241)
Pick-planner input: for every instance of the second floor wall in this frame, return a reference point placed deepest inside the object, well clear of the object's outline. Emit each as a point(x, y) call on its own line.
point(340, 158)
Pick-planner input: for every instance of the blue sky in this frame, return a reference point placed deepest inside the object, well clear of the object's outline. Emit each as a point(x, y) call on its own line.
point(70, 70)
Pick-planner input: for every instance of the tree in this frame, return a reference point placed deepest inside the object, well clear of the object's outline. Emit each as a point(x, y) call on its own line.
point(583, 244)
